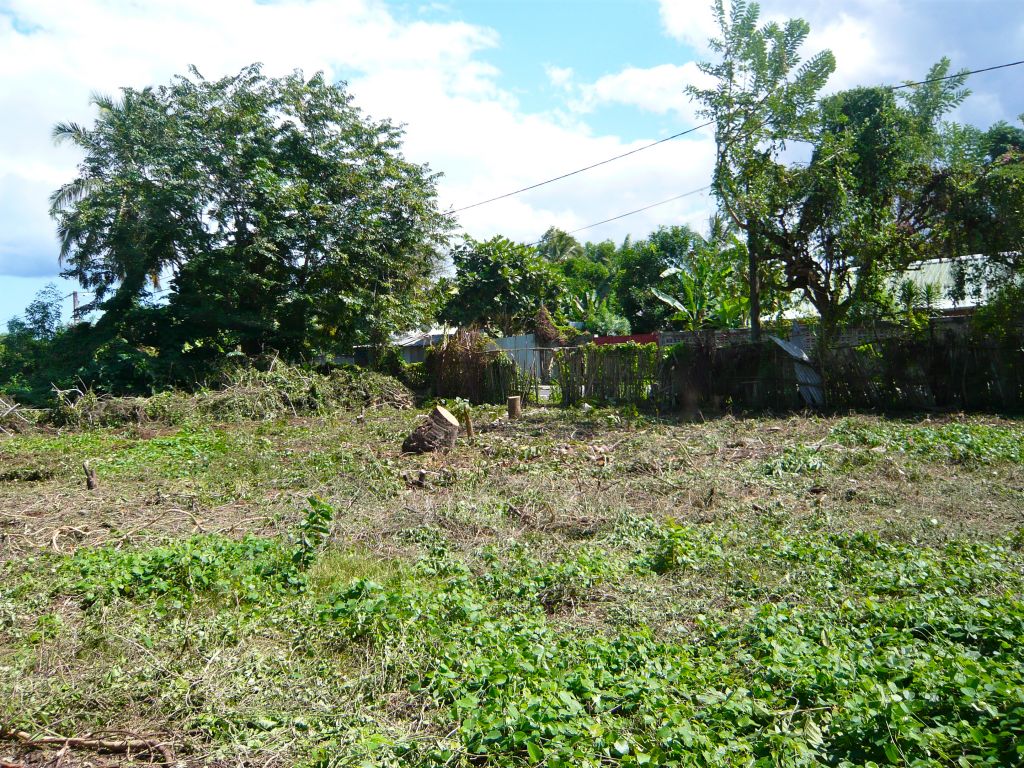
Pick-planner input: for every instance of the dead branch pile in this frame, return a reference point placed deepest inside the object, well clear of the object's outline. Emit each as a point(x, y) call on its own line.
point(244, 394)
point(12, 420)
point(126, 744)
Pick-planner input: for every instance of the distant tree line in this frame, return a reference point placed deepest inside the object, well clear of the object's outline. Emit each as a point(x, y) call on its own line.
point(221, 220)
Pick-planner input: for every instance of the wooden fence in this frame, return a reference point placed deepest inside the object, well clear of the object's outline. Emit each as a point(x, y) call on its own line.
point(937, 370)
point(683, 377)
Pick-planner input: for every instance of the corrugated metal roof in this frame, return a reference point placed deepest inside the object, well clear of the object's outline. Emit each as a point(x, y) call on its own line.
point(421, 338)
point(791, 349)
point(809, 381)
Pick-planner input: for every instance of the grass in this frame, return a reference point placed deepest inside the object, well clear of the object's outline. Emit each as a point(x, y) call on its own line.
point(574, 589)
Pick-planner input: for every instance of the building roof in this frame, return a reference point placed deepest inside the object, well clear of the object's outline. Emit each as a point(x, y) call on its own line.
point(422, 338)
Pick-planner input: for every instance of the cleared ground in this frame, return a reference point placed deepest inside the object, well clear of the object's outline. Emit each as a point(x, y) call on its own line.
point(570, 589)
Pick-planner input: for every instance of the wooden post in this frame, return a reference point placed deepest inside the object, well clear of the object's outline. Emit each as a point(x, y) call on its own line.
point(438, 431)
point(515, 407)
point(90, 477)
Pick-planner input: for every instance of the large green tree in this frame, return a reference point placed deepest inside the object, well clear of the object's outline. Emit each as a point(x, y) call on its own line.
point(875, 193)
point(283, 217)
point(986, 215)
point(873, 198)
point(762, 99)
point(500, 285)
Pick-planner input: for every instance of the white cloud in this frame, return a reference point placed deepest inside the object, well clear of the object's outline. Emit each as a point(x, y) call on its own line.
point(431, 76)
point(877, 41)
point(660, 89)
point(690, 21)
point(560, 77)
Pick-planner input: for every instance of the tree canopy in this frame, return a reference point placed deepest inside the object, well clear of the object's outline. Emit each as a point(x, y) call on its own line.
point(875, 194)
point(280, 216)
point(500, 285)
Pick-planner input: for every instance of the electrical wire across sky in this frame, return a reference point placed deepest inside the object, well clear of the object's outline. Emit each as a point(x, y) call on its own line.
point(695, 128)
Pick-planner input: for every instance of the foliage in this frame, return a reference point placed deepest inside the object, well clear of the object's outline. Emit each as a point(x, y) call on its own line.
point(181, 571)
point(558, 246)
point(870, 198)
point(42, 318)
point(596, 315)
point(857, 681)
point(986, 199)
point(640, 267)
point(584, 273)
point(38, 351)
point(703, 299)
point(608, 373)
point(680, 547)
point(312, 533)
point(470, 366)
point(1002, 318)
point(253, 569)
point(875, 194)
point(500, 285)
point(918, 304)
point(971, 444)
point(286, 218)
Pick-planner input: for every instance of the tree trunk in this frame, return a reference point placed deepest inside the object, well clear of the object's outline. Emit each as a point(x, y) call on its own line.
point(437, 432)
point(753, 244)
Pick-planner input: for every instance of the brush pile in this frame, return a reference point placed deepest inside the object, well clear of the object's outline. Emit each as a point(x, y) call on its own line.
point(12, 420)
point(244, 394)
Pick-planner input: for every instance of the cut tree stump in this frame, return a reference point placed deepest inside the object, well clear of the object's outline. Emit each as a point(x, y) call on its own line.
point(515, 407)
point(437, 432)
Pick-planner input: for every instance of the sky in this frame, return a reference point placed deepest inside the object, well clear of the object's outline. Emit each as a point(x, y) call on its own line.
point(494, 94)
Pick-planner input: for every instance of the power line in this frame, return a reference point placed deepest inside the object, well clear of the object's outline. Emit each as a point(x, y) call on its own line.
point(638, 210)
point(697, 128)
point(705, 188)
point(586, 168)
point(958, 74)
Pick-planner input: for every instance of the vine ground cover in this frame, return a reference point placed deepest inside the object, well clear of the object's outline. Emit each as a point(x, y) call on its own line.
point(575, 589)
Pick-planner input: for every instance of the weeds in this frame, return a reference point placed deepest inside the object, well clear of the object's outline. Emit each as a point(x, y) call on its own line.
point(971, 444)
point(725, 606)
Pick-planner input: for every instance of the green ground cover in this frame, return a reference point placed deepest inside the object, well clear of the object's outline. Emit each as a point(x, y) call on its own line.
point(574, 589)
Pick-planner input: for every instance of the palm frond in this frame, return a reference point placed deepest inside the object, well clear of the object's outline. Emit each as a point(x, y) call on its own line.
point(73, 132)
point(69, 194)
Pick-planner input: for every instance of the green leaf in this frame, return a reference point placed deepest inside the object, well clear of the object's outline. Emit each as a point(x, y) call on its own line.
point(536, 752)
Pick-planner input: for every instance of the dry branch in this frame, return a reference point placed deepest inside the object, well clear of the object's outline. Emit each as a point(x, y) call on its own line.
point(10, 419)
point(91, 482)
point(125, 745)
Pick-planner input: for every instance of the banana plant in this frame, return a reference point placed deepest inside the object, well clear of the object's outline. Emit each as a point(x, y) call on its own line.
point(704, 299)
point(596, 313)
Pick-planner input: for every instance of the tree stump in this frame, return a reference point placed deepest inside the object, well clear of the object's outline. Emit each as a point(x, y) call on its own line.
point(515, 407)
point(437, 432)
